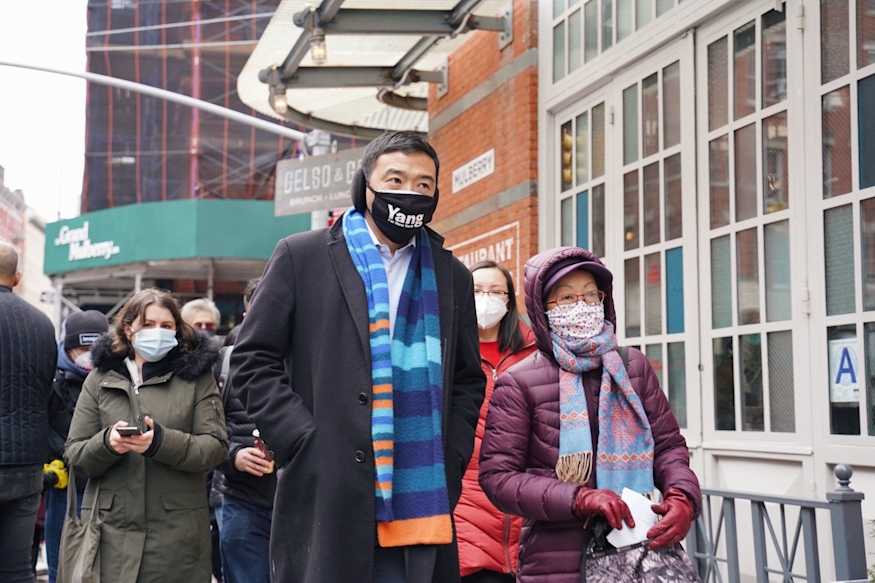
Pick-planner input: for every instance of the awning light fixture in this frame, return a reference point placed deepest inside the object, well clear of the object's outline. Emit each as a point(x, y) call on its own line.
point(318, 48)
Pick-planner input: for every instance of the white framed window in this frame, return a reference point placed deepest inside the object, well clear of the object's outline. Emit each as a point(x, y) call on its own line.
point(842, 223)
point(645, 232)
point(751, 221)
point(582, 178)
point(583, 29)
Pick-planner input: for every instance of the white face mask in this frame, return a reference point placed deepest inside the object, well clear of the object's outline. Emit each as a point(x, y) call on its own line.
point(490, 310)
point(153, 344)
point(83, 361)
point(578, 321)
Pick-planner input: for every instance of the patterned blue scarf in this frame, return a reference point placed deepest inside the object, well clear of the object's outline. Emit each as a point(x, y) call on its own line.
point(624, 453)
point(412, 503)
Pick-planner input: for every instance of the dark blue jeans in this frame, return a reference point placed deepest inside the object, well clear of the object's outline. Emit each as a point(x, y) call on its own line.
point(244, 534)
point(19, 501)
point(56, 509)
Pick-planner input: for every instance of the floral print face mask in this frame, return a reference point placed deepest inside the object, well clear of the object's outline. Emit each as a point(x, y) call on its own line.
point(577, 321)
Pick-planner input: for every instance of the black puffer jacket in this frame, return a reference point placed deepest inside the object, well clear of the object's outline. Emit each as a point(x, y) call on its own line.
point(28, 355)
point(62, 404)
point(227, 479)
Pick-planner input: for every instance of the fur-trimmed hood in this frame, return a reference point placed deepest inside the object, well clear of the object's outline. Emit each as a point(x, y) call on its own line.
point(188, 365)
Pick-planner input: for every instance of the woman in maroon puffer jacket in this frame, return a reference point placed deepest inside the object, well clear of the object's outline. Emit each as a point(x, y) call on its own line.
point(559, 474)
point(488, 538)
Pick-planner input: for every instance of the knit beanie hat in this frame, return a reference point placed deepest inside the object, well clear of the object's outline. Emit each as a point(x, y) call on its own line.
point(82, 329)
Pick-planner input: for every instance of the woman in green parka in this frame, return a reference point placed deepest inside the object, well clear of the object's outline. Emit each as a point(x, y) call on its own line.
point(155, 372)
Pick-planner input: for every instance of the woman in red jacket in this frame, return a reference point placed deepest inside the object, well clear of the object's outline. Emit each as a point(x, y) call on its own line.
point(489, 539)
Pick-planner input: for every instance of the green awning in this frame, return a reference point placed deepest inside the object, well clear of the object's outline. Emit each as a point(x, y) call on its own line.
point(179, 229)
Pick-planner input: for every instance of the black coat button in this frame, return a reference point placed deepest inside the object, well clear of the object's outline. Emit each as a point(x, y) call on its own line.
point(363, 398)
point(359, 456)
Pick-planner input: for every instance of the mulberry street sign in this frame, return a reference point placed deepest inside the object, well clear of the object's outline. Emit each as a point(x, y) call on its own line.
point(315, 183)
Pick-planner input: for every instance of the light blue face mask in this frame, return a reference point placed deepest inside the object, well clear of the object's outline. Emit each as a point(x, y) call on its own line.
point(153, 344)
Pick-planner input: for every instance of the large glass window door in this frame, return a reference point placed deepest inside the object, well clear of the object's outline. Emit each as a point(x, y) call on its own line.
point(751, 224)
point(842, 218)
point(625, 154)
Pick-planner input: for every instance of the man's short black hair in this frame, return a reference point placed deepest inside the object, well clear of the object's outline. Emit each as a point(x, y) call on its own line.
point(404, 141)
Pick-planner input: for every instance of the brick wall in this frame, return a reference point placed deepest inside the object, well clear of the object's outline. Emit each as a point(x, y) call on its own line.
point(505, 119)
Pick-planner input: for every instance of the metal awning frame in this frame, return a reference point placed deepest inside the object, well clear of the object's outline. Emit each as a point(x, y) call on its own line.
point(330, 19)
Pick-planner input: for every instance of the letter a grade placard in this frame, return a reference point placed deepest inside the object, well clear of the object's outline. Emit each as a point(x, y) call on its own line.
point(844, 371)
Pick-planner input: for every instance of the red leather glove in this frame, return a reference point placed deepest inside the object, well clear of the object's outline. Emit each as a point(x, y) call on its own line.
point(677, 516)
point(589, 502)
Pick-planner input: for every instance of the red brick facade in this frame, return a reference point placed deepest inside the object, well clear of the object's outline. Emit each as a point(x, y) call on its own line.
point(505, 119)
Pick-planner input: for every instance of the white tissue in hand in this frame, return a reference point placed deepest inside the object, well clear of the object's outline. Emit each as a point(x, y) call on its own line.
point(644, 518)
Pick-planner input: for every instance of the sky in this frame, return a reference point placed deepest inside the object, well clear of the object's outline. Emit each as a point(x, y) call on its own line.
point(42, 115)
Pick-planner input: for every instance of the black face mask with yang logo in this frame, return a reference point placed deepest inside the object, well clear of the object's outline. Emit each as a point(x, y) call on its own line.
point(400, 214)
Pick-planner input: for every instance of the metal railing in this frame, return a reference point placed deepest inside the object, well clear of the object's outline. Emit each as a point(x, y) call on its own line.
point(718, 564)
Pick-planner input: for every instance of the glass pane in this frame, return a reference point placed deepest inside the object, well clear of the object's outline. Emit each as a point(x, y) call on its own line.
point(630, 124)
point(865, 42)
point(724, 384)
point(566, 148)
point(718, 180)
point(598, 140)
point(598, 220)
point(654, 357)
point(747, 271)
point(838, 235)
point(558, 51)
point(630, 210)
point(746, 172)
point(583, 220)
point(778, 300)
point(650, 114)
point(633, 297)
point(674, 290)
point(625, 18)
point(718, 84)
point(721, 289)
point(674, 223)
point(751, 377)
point(844, 380)
point(834, 41)
point(774, 66)
point(867, 232)
point(607, 24)
point(651, 204)
point(558, 8)
point(836, 144)
point(677, 382)
point(582, 153)
point(663, 6)
point(567, 219)
point(775, 156)
point(591, 38)
point(745, 69)
point(575, 34)
point(869, 336)
point(645, 12)
point(653, 294)
point(782, 402)
point(866, 129)
point(671, 105)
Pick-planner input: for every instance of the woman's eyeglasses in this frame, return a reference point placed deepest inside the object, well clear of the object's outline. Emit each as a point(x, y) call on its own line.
point(569, 299)
point(490, 293)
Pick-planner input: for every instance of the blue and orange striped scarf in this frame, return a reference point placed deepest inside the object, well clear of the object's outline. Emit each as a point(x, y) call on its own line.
point(412, 503)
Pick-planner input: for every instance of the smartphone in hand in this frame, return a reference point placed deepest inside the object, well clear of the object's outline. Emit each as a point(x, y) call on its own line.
point(129, 431)
point(261, 446)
